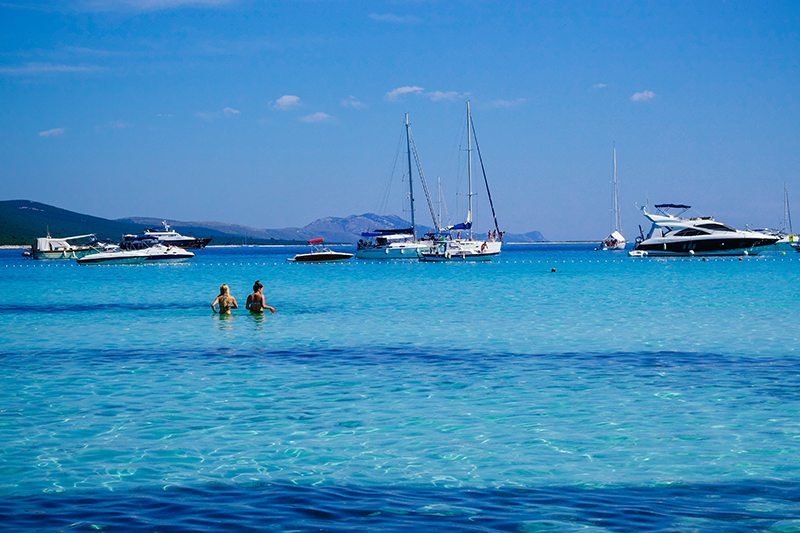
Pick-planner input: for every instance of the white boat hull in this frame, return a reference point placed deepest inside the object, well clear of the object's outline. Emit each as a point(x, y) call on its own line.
point(155, 254)
point(394, 251)
point(462, 250)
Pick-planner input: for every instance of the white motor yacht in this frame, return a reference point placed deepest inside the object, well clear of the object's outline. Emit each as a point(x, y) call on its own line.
point(166, 236)
point(672, 234)
point(157, 253)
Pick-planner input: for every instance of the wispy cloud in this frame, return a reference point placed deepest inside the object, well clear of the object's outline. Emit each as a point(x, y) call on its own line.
point(319, 116)
point(599, 86)
point(119, 124)
point(145, 5)
point(445, 96)
point(33, 69)
point(504, 103)
point(393, 18)
point(352, 102)
point(213, 115)
point(286, 102)
point(643, 96)
point(55, 132)
point(397, 92)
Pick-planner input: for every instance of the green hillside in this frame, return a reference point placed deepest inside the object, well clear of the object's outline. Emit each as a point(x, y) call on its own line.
point(22, 221)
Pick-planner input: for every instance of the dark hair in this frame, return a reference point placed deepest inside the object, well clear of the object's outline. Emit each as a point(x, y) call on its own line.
point(257, 285)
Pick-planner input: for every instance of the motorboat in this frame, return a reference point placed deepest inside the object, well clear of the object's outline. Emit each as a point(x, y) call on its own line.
point(615, 240)
point(319, 253)
point(448, 248)
point(673, 234)
point(398, 243)
point(166, 236)
point(63, 247)
point(157, 253)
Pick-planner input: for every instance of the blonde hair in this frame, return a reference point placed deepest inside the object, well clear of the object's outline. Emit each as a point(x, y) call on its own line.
point(223, 290)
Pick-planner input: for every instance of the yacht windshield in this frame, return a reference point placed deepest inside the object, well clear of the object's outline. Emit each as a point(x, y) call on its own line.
point(690, 232)
point(716, 227)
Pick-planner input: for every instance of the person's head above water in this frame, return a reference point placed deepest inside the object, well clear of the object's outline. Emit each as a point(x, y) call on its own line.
point(257, 286)
point(223, 290)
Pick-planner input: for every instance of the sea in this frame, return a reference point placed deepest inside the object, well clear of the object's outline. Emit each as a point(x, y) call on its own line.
point(557, 388)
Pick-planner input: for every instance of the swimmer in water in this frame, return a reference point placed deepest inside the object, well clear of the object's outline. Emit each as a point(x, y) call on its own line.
point(224, 300)
point(256, 302)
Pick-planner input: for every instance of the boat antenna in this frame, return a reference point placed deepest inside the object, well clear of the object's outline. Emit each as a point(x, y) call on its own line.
point(410, 180)
point(485, 180)
point(469, 170)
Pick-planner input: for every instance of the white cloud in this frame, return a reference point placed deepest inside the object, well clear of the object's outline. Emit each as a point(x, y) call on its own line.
point(445, 96)
point(393, 18)
point(352, 102)
point(55, 132)
point(503, 103)
point(643, 96)
point(146, 5)
point(599, 86)
point(213, 115)
point(48, 68)
point(397, 92)
point(319, 116)
point(286, 102)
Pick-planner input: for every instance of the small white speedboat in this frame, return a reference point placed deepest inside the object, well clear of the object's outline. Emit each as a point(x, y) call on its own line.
point(637, 253)
point(154, 254)
point(319, 253)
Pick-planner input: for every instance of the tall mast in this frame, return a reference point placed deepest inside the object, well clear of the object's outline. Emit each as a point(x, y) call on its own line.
point(787, 214)
point(410, 180)
point(439, 197)
point(617, 223)
point(469, 169)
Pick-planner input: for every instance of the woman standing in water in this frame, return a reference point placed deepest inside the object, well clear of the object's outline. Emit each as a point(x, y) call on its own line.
point(256, 302)
point(224, 300)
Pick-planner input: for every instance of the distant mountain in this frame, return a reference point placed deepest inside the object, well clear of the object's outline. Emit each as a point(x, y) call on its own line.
point(21, 221)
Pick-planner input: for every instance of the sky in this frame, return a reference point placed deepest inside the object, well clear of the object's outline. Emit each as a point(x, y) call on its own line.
point(273, 114)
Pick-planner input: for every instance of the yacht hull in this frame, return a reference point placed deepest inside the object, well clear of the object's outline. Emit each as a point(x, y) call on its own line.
point(320, 257)
point(62, 254)
point(711, 246)
point(134, 257)
point(457, 250)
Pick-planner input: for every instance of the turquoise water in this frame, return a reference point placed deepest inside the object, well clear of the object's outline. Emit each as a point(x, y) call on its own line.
point(615, 393)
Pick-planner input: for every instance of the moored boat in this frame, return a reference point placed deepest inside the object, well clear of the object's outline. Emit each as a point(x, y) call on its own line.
point(63, 247)
point(449, 248)
point(166, 236)
point(672, 234)
point(158, 253)
point(615, 240)
point(320, 253)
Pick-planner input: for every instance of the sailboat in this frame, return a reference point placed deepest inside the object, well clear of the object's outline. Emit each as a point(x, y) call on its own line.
point(615, 240)
point(449, 248)
point(397, 243)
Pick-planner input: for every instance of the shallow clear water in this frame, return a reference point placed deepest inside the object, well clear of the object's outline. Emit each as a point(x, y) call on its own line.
point(615, 393)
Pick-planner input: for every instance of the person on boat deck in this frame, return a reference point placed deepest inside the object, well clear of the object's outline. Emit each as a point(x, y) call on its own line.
point(256, 302)
point(224, 300)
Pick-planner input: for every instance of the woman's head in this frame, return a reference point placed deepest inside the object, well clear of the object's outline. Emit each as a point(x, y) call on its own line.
point(223, 289)
point(257, 286)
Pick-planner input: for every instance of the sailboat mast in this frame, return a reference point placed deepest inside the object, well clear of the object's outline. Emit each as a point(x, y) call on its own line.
point(469, 169)
point(410, 180)
point(787, 214)
point(617, 223)
point(439, 196)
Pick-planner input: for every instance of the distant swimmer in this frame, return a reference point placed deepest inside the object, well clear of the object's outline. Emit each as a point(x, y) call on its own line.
point(224, 300)
point(256, 302)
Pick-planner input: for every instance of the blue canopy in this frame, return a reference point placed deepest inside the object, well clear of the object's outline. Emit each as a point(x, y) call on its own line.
point(674, 206)
point(464, 225)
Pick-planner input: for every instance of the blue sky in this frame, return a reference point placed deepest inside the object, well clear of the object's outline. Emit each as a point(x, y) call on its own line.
point(275, 113)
